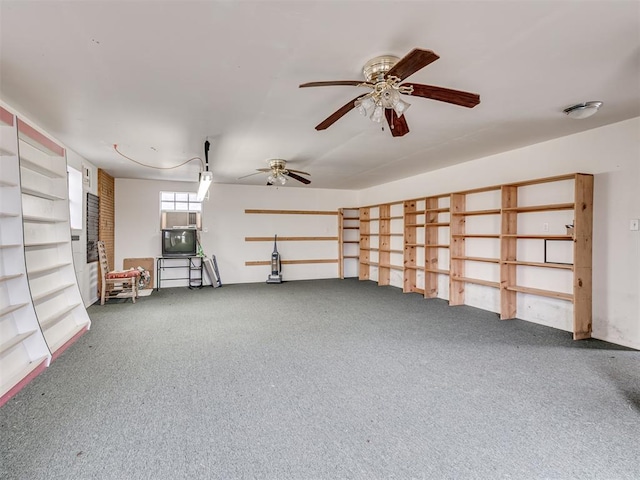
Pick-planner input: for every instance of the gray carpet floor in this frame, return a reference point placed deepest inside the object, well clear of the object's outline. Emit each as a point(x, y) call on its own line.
point(323, 379)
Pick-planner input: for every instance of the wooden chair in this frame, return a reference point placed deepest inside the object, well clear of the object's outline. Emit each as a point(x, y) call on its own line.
point(116, 284)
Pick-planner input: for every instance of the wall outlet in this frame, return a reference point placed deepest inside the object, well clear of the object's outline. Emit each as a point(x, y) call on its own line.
point(634, 224)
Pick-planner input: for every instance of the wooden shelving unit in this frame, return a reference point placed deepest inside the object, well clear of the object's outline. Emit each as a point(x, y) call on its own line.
point(23, 350)
point(348, 241)
point(47, 239)
point(467, 238)
point(490, 237)
point(516, 229)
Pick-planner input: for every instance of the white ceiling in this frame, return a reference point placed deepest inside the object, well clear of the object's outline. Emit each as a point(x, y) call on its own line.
point(159, 78)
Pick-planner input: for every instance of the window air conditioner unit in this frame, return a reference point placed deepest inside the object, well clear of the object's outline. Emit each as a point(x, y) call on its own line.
point(181, 220)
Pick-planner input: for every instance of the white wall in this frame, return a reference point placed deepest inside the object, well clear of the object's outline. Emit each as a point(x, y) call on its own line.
point(225, 226)
point(612, 154)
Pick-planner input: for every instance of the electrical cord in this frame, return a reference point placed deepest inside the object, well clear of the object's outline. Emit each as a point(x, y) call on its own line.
point(115, 147)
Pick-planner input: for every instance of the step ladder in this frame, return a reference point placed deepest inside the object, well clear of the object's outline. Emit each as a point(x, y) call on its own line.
point(211, 267)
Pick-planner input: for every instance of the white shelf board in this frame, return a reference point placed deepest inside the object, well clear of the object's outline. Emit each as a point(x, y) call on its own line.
point(53, 291)
point(12, 381)
point(4, 278)
point(12, 308)
point(15, 341)
point(37, 193)
point(57, 316)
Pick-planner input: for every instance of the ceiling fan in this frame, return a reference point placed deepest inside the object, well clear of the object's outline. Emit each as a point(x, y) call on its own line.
point(278, 173)
point(383, 75)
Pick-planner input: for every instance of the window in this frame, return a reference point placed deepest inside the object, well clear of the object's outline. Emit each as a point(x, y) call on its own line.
point(75, 198)
point(179, 202)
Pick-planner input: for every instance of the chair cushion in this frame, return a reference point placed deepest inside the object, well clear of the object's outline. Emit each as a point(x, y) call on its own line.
point(123, 274)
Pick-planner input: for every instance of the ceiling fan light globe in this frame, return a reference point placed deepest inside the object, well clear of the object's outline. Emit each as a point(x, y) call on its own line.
point(282, 179)
point(377, 114)
point(400, 107)
point(271, 179)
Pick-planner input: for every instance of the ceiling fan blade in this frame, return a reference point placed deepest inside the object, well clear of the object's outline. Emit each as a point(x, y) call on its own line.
point(298, 171)
point(397, 125)
point(338, 114)
point(269, 184)
point(250, 175)
point(412, 62)
point(298, 177)
point(457, 97)
point(353, 83)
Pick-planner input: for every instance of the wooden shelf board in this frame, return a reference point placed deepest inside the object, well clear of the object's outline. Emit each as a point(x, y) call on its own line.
point(476, 281)
point(292, 212)
point(543, 293)
point(392, 267)
point(437, 270)
point(351, 241)
point(15, 341)
point(475, 235)
point(469, 213)
point(539, 237)
point(413, 267)
point(57, 316)
point(437, 224)
point(351, 256)
point(541, 208)
point(477, 259)
point(53, 291)
point(414, 244)
point(351, 228)
point(557, 178)
point(414, 224)
point(539, 264)
point(4, 278)
point(12, 308)
point(437, 210)
point(37, 193)
point(49, 268)
point(439, 245)
point(351, 218)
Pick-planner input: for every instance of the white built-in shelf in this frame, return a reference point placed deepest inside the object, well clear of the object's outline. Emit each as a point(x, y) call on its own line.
point(41, 169)
point(15, 341)
point(10, 382)
point(54, 318)
point(8, 215)
point(4, 278)
point(50, 268)
point(46, 244)
point(10, 245)
point(38, 193)
point(42, 219)
point(51, 292)
point(12, 308)
point(54, 346)
point(5, 182)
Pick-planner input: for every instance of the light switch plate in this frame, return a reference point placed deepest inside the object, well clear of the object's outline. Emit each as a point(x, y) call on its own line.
point(634, 224)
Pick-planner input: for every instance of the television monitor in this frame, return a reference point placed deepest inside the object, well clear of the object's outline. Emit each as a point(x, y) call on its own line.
point(179, 242)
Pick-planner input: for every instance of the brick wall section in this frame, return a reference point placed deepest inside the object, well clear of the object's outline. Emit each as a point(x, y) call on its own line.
point(107, 214)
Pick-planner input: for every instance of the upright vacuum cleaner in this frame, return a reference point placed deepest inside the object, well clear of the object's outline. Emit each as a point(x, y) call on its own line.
point(276, 267)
